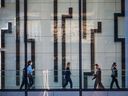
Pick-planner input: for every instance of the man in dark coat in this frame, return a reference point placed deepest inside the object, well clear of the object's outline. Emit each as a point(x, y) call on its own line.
point(98, 84)
point(68, 76)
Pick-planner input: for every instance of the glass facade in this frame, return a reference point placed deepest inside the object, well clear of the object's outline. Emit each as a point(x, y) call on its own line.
point(53, 30)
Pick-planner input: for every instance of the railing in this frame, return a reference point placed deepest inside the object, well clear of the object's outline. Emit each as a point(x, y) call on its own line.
point(44, 79)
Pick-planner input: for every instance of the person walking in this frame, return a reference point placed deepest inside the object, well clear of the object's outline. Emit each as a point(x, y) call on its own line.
point(68, 76)
point(114, 75)
point(24, 78)
point(30, 74)
point(98, 84)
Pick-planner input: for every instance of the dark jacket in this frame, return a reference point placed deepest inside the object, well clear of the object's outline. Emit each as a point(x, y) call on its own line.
point(114, 72)
point(67, 72)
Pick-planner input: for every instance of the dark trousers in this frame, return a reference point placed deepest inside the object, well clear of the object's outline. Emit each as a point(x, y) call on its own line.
point(114, 79)
point(66, 82)
point(99, 85)
point(30, 81)
point(24, 81)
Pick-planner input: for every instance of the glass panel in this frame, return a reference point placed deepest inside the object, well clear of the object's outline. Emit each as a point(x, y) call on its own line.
point(41, 28)
point(99, 45)
point(52, 93)
point(53, 40)
point(5, 93)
